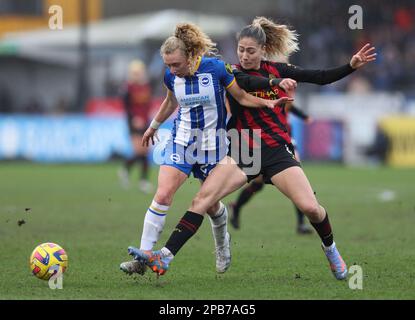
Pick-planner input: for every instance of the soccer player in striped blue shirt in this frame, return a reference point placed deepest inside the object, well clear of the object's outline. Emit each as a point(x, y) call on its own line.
point(197, 84)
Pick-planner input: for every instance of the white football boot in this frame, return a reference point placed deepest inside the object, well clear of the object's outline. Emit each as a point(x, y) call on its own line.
point(134, 266)
point(223, 255)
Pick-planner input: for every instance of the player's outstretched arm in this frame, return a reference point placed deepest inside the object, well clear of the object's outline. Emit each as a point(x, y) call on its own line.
point(248, 100)
point(362, 57)
point(249, 82)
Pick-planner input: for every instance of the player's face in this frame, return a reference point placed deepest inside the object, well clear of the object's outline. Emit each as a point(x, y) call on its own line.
point(177, 63)
point(250, 53)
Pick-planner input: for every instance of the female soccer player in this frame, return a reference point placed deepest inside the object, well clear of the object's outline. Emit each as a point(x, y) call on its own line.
point(258, 183)
point(263, 38)
point(197, 84)
point(137, 99)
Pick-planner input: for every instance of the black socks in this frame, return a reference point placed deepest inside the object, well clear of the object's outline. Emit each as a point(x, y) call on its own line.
point(186, 228)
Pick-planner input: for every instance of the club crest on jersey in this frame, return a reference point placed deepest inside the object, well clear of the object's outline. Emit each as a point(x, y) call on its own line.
point(204, 81)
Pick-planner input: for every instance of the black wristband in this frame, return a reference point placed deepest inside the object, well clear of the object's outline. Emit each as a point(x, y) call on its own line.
point(275, 82)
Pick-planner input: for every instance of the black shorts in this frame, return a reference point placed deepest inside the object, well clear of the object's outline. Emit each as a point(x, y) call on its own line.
point(273, 161)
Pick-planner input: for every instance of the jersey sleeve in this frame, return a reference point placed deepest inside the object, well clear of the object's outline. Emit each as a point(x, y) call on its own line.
point(226, 77)
point(168, 79)
point(249, 82)
point(321, 77)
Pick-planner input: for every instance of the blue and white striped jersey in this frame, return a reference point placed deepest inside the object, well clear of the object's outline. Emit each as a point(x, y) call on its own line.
point(201, 99)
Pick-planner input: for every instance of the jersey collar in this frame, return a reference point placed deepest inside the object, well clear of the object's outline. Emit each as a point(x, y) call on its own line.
point(199, 60)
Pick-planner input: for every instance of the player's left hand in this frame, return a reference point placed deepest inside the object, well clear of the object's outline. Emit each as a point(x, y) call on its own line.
point(364, 56)
point(150, 134)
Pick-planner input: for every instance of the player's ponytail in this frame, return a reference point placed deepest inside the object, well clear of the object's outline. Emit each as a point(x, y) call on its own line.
point(192, 41)
point(277, 39)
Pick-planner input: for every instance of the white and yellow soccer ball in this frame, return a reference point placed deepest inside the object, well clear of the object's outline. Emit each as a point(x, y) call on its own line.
point(45, 258)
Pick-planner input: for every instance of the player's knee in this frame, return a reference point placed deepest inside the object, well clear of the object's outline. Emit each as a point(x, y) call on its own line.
point(311, 209)
point(164, 196)
point(201, 202)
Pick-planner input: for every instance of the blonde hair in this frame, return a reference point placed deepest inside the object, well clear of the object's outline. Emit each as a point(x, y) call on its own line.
point(137, 71)
point(136, 65)
point(192, 41)
point(278, 39)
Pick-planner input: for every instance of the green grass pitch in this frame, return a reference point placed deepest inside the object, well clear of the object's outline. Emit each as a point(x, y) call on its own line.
point(83, 208)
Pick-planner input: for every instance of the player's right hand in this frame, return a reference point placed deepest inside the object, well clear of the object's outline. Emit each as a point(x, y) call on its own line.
point(150, 134)
point(279, 102)
point(288, 84)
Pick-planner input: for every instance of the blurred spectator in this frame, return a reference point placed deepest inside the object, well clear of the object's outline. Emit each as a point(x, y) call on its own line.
point(325, 37)
point(137, 103)
point(378, 151)
point(404, 19)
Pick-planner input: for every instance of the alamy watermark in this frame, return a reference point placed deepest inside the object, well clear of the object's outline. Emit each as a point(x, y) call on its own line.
point(56, 280)
point(356, 279)
point(56, 18)
point(208, 146)
point(356, 20)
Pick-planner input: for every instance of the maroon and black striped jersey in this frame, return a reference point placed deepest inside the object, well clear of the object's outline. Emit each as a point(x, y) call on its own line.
point(273, 122)
point(137, 100)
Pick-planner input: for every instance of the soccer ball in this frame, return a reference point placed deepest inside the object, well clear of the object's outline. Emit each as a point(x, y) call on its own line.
point(47, 259)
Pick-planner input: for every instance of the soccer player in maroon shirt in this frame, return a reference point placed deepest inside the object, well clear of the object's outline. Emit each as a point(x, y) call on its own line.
point(137, 103)
point(264, 39)
point(258, 183)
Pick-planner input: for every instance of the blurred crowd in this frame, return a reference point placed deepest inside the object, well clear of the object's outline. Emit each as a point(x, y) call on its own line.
point(326, 40)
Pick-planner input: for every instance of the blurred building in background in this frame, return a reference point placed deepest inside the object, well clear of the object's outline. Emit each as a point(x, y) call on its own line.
point(80, 68)
point(26, 15)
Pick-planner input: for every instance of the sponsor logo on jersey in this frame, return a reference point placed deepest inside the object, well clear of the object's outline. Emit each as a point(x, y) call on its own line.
point(266, 94)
